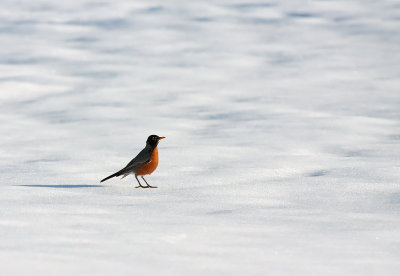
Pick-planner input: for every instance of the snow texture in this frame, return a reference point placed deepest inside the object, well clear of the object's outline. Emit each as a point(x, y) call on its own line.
point(282, 149)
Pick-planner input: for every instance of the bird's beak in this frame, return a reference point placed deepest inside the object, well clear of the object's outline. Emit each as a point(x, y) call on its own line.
point(160, 138)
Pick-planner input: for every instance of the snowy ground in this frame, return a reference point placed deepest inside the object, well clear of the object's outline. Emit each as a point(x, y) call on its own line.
point(282, 125)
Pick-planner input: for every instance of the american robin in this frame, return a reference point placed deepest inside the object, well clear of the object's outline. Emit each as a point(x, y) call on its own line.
point(144, 163)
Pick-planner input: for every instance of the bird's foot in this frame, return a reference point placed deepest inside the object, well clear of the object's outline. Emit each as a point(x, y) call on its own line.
point(141, 186)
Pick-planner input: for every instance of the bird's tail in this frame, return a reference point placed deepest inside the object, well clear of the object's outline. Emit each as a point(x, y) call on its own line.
point(111, 176)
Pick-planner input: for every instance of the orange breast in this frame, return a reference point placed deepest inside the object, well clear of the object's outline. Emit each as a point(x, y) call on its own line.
point(151, 165)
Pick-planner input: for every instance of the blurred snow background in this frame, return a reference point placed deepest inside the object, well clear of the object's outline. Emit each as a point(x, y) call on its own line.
point(282, 125)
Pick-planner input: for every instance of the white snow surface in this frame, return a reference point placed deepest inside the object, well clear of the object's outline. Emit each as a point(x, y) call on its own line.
point(282, 149)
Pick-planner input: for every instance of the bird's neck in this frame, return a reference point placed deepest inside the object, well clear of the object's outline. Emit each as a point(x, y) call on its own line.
point(151, 147)
point(155, 152)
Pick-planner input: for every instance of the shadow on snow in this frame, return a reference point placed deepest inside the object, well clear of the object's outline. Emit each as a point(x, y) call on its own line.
point(65, 186)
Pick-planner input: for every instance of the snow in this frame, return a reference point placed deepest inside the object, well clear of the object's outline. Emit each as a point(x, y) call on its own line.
point(282, 149)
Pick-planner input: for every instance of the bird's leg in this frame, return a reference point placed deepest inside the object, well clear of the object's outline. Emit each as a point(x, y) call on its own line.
point(140, 185)
point(148, 186)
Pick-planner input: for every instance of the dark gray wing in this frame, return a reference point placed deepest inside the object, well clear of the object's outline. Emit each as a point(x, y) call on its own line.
point(142, 158)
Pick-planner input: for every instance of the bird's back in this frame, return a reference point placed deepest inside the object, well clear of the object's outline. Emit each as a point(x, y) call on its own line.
point(141, 159)
point(150, 166)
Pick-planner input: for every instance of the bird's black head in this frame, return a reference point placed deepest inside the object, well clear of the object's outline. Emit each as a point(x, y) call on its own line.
point(153, 140)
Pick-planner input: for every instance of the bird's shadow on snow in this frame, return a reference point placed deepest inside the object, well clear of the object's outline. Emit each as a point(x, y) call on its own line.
point(64, 186)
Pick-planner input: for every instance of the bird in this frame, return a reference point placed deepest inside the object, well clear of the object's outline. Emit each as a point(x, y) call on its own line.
point(143, 164)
